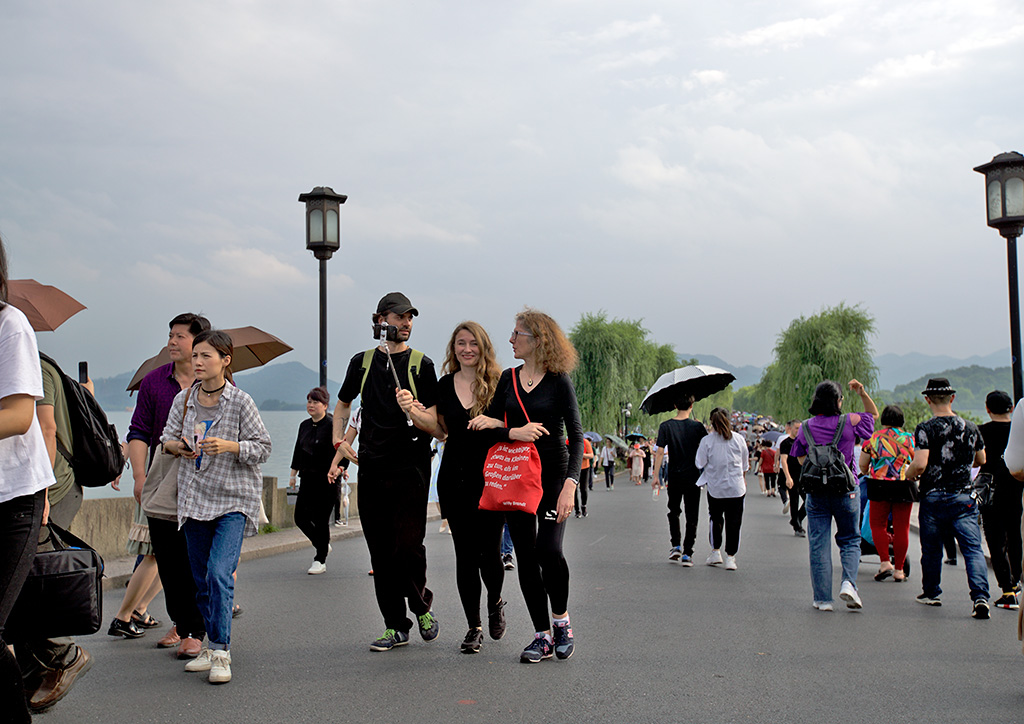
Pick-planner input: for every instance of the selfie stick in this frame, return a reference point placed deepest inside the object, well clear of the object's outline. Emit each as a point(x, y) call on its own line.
point(384, 346)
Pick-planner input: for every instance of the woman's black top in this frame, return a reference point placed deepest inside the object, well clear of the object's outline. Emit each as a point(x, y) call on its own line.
point(552, 403)
point(460, 481)
point(314, 449)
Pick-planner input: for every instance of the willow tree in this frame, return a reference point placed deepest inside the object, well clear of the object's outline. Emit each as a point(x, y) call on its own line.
point(831, 345)
point(618, 362)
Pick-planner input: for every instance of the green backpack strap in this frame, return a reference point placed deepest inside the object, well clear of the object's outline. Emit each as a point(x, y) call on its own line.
point(414, 370)
point(415, 359)
point(367, 361)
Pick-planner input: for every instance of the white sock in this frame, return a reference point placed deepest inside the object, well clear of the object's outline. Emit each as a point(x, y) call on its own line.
point(562, 621)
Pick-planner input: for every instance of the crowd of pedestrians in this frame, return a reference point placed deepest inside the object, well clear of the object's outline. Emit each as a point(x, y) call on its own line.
point(196, 443)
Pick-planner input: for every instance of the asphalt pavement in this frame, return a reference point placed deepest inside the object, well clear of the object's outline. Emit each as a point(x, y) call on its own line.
point(656, 642)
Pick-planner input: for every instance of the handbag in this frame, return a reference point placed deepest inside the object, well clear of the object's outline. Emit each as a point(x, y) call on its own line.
point(63, 593)
point(983, 489)
point(512, 473)
point(160, 491)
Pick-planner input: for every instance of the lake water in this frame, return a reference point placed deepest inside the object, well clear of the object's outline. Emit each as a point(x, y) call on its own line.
point(282, 426)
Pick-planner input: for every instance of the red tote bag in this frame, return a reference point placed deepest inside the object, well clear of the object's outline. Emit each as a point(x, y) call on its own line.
point(512, 473)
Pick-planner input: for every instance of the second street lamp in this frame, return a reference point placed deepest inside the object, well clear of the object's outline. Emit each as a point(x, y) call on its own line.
point(1004, 195)
point(323, 238)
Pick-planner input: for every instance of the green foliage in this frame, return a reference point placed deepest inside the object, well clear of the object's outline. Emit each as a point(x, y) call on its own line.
point(748, 399)
point(269, 528)
point(702, 408)
point(618, 362)
point(832, 344)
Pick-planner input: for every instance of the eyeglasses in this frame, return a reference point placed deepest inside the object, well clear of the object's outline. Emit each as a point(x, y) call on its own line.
point(516, 334)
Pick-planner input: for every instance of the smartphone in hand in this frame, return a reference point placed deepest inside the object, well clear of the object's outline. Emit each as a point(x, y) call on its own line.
point(83, 372)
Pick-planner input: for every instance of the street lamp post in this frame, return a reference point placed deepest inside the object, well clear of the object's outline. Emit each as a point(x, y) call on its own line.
point(323, 238)
point(1004, 194)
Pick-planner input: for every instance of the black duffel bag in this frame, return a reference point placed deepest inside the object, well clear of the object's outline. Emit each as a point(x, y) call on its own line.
point(63, 595)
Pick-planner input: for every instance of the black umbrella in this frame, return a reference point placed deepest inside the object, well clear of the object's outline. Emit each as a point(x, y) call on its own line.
point(698, 380)
point(772, 435)
point(635, 437)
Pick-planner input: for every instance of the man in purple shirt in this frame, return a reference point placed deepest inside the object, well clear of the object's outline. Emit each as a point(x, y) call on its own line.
point(156, 393)
point(822, 507)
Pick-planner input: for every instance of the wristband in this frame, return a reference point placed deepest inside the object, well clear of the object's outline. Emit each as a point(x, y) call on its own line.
point(337, 445)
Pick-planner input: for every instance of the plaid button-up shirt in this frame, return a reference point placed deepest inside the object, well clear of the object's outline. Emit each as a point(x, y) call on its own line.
point(224, 483)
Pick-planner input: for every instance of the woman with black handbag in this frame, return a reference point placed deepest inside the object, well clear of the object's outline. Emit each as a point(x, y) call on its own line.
point(539, 402)
point(25, 474)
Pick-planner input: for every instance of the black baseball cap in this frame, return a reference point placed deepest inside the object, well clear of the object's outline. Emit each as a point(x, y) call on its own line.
point(998, 402)
point(396, 302)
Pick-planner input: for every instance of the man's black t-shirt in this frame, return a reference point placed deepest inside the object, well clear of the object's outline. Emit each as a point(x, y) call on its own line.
point(951, 442)
point(682, 437)
point(386, 440)
point(791, 462)
point(996, 434)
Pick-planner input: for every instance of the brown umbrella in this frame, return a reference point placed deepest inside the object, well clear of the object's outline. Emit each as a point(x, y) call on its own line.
point(253, 348)
point(46, 307)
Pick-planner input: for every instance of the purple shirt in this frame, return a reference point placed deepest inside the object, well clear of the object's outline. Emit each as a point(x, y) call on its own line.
point(823, 428)
point(156, 393)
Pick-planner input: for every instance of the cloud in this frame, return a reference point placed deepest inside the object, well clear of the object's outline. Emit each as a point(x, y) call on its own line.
point(785, 35)
point(408, 223)
point(644, 169)
point(648, 57)
point(244, 266)
point(906, 68)
point(619, 30)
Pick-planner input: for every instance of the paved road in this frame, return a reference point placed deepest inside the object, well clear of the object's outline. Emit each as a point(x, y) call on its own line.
point(656, 643)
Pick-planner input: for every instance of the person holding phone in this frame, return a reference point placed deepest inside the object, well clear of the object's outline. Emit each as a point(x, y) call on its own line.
point(222, 442)
point(394, 467)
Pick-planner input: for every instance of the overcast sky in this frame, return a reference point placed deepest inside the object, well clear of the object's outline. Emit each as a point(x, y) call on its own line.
point(716, 169)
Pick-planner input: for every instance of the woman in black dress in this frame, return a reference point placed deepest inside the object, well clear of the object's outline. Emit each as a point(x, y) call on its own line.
point(314, 451)
point(543, 384)
point(471, 375)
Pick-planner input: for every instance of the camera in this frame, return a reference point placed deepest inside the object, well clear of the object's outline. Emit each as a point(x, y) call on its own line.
point(388, 332)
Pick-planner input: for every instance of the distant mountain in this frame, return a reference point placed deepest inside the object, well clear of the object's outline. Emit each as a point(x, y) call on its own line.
point(971, 383)
point(274, 387)
point(896, 369)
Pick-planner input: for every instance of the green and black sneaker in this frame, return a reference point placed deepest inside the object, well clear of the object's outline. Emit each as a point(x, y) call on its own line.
point(390, 640)
point(428, 626)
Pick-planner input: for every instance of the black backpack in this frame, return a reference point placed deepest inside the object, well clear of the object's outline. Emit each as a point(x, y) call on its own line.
point(824, 470)
point(98, 458)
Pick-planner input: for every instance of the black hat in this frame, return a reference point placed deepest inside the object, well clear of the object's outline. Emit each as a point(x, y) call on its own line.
point(396, 302)
point(998, 402)
point(938, 386)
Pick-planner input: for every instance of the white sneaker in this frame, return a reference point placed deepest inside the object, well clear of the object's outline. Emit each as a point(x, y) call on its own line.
point(715, 558)
point(317, 568)
point(730, 563)
point(201, 662)
point(330, 548)
point(785, 508)
point(849, 594)
point(823, 605)
point(220, 667)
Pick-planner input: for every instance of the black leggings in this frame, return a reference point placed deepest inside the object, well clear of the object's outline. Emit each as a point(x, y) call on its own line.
point(19, 536)
point(477, 538)
point(583, 489)
point(172, 563)
point(609, 476)
point(731, 510)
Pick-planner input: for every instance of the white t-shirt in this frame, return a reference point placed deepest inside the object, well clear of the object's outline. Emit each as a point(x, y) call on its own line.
point(723, 463)
point(24, 464)
point(1013, 456)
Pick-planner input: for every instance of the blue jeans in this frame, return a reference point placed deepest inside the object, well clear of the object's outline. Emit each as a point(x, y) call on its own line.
point(941, 513)
point(213, 550)
point(821, 509)
point(506, 542)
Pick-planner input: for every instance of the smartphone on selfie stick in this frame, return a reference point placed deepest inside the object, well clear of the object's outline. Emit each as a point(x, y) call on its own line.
point(389, 333)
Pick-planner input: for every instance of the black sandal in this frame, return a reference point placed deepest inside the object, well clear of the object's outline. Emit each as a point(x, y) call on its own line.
point(882, 575)
point(144, 620)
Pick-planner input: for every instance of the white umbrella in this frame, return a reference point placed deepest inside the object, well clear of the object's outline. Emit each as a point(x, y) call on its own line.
point(698, 380)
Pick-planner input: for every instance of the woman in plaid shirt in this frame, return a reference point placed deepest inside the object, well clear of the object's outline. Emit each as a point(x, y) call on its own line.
point(217, 431)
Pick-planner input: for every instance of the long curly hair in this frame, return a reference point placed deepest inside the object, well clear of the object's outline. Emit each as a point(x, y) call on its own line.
point(555, 352)
point(488, 371)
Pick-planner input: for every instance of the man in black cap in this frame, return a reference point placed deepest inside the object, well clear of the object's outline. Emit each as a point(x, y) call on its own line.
point(394, 466)
point(947, 447)
point(1001, 519)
